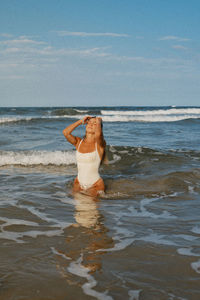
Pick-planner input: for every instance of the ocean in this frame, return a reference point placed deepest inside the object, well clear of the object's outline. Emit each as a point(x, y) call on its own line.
point(139, 241)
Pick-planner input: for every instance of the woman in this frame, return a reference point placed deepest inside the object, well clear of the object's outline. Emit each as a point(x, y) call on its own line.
point(89, 153)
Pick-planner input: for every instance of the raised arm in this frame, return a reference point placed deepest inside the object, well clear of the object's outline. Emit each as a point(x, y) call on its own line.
point(74, 140)
point(67, 132)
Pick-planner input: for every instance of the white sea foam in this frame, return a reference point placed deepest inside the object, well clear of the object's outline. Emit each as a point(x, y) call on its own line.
point(187, 252)
point(60, 254)
point(196, 266)
point(112, 149)
point(159, 239)
point(8, 222)
point(134, 294)
point(122, 238)
point(176, 111)
point(143, 212)
point(56, 227)
point(196, 229)
point(115, 159)
point(160, 115)
point(78, 269)
point(45, 217)
point(17, 236)
point(11, 119)
point(121, 244)
point(14, 119)
point(148, 118)
point(27, 158)
point(13, 236)
point(173, 297)
point(82, 111)
point(191, 189)
point(186, 237)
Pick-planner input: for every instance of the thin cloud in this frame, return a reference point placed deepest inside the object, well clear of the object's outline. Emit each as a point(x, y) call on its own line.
point(21, 41)
point(91, 34)
point(89, 52)
point(31, 54)
point(12, 50)
point(6, 35)
point(173, 38)
point(179, 47)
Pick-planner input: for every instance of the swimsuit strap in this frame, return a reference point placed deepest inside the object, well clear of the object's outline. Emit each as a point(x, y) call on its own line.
point(79, 144)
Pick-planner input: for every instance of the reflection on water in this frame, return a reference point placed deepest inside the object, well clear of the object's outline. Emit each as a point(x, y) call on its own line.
point(79, 256)
point(86, 211)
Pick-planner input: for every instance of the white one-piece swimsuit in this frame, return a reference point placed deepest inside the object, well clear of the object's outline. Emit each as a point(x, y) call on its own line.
point(88, 167)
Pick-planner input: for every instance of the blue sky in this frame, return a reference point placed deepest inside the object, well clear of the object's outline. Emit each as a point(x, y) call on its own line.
point(99, 52)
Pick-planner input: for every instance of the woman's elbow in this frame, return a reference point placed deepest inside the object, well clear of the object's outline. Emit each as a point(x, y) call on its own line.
point(65, 133)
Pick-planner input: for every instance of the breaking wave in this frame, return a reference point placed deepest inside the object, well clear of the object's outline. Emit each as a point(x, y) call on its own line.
point(158, 115)
point(150, 115)
point(30, 158)
point(174, 111)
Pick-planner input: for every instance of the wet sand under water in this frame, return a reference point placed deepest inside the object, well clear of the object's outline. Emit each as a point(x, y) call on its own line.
point(53, 271)
point(55, 246)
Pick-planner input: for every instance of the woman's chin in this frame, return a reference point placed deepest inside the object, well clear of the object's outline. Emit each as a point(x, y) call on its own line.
point(90, 131)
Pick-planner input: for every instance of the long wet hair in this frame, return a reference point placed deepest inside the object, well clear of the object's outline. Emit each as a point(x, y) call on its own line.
point(104, 159)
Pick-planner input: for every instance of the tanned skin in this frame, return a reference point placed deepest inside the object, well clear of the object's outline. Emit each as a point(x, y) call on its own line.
point(93, 135)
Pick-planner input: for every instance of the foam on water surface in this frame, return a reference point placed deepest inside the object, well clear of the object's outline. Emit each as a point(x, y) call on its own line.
point(174, 297)
point(143, 212)
point(150, 118)
point(53, 227)
point(78, 269)
point(29, 158)
point(196, 229)
point(171, 111)
point(196, 266)
point(54, 251)
point(18, 236)
point(134, 294)
point(159, 239)
point(188, 252)
point(52, 221)
point(159, 115)
point(186, 237)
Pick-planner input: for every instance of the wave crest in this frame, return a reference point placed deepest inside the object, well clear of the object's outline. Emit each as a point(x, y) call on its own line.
point(151, 115)
point(29, 158)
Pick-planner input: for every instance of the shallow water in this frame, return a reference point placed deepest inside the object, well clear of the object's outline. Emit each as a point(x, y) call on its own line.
point(139, 241)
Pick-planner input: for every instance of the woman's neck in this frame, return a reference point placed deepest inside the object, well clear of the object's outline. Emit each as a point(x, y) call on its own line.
point(89, 138)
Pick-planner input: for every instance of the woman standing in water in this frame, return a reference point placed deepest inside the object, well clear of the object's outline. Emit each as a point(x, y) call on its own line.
point(89, 153)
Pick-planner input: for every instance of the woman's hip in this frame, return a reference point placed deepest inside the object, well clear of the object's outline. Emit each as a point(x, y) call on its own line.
point(96, 186)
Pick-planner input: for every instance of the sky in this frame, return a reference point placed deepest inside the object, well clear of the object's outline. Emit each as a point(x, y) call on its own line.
point(99, 52)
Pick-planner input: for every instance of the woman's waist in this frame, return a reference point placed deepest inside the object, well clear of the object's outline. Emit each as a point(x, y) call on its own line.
point(88, 167)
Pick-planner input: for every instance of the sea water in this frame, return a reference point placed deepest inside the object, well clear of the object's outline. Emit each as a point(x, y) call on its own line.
point(141, 240)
